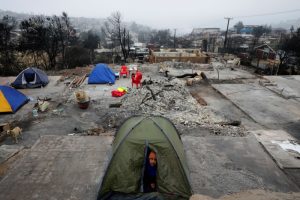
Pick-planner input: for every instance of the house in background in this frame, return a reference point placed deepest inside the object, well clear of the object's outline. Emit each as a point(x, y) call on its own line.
point(265, 52)
point(208, 39)
point(265, 57)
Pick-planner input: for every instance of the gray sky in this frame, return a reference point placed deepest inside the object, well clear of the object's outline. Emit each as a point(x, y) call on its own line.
point(180, 14)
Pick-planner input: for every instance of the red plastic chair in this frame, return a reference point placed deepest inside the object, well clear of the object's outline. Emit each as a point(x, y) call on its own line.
point(124, 71)
point(136, 79)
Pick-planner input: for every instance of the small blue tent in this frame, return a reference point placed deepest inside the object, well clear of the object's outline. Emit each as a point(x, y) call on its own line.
point(11, 99)
point(102, 74)
point(31, 78)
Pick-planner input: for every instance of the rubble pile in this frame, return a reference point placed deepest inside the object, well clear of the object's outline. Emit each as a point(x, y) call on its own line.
point(173, 101)
point(159, 98)
point(186, 65)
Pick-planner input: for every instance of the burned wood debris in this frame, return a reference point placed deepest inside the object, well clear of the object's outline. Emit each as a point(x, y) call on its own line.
point(77, 81)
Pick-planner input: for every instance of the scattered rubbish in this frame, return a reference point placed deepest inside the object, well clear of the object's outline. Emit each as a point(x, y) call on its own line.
point(43, 105)
point(115, 105)
point(231, 123)
point(4, 127)
point(185, 123)
point(96, 131)
point(166, 73)
point(76, 131)
point(31, 98)
point(233, 62)
point(152, 93)
point(58, 111)
point(266, 83)
point(44, 99)
point(147, 82)
point(187, 75)
point(288, 145)
point(35, 112)
point(203, 76)
point(193, 81)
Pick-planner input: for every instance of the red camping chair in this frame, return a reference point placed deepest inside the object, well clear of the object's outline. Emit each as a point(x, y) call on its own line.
point(124, 71)
point(136, 79)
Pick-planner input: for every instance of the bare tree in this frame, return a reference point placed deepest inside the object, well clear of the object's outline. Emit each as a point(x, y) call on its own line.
point(116, 32)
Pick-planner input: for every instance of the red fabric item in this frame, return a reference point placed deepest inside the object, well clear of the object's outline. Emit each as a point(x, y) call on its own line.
point(116, 93)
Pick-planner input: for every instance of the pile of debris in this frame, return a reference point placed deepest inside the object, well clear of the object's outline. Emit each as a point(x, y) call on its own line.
point(159, 98)
point(77, 81)
point(186, 65)
point(172, 100)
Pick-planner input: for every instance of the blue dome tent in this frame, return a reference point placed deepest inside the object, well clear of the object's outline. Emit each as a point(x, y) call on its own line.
point(102, 74)
point(31, 78)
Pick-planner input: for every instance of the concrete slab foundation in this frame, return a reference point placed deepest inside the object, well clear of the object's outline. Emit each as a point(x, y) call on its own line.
point(220, 165)
point(58, 167)
point(262, 105)
point(287, 86)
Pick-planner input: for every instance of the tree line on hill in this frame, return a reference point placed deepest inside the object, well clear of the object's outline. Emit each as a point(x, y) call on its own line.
point(52, 42)
point(47, 42)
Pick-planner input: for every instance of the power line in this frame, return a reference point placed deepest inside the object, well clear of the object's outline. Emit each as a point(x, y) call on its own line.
point(267, 14)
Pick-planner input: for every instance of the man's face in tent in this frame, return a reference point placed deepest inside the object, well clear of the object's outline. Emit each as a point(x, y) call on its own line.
point(152, 158)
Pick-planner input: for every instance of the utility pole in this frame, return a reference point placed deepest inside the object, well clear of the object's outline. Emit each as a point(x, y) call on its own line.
point(174, 38)
point(225, 42)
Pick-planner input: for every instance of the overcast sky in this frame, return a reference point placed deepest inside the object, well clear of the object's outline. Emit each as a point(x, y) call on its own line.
point(180, 14)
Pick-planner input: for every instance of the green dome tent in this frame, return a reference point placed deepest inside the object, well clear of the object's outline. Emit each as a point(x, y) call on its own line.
point(125, 169)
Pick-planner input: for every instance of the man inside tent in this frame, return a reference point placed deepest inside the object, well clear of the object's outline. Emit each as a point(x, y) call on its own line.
point(150, 173)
